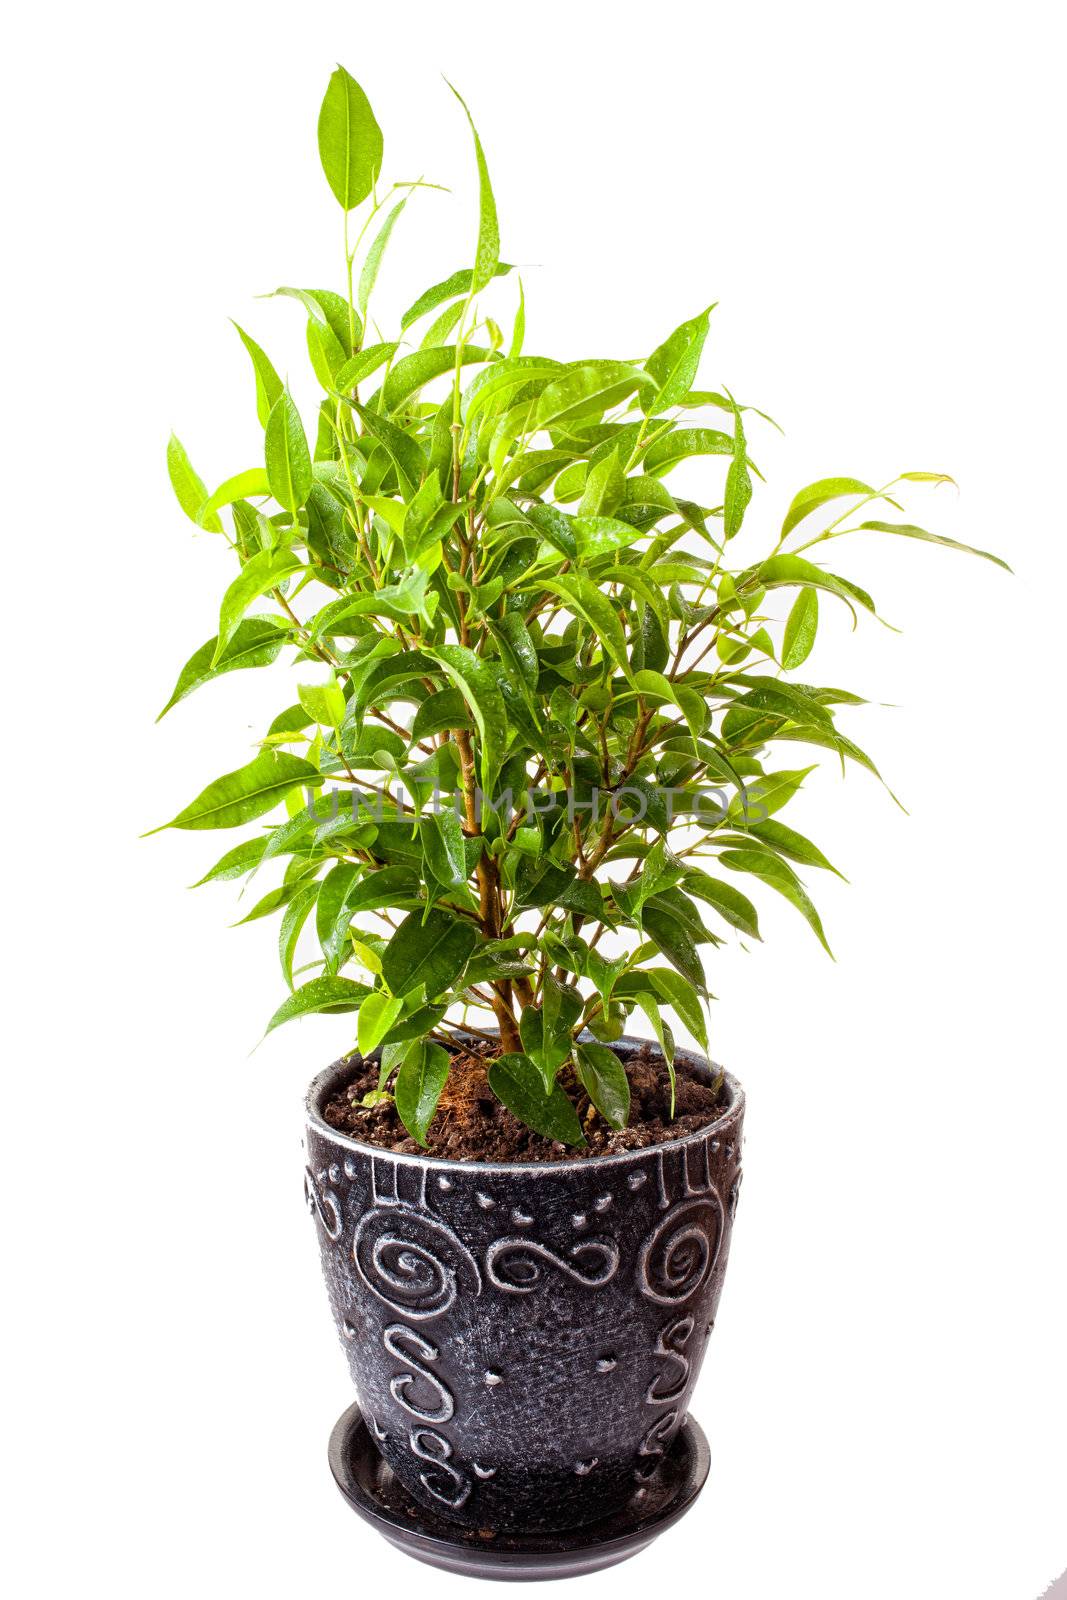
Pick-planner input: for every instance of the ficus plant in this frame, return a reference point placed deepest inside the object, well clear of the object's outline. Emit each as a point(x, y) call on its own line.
point(544, 720)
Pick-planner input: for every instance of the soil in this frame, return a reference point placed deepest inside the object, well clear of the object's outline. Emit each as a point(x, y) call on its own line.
point(471, 1124)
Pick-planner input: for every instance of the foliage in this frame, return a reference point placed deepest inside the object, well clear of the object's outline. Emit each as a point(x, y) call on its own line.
point(492, 590)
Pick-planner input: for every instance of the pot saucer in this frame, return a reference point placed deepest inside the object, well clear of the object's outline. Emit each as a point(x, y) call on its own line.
point(371, 1489)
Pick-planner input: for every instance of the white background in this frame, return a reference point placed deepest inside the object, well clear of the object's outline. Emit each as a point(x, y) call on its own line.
point(874, 196)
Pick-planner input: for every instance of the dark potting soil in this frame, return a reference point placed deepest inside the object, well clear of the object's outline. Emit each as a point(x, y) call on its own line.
point(471, 1124)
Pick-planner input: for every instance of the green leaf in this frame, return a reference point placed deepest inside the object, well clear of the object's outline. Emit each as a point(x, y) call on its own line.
point(443, 846)
point(246, 485)
point(605, 486)
point(269, 386)
point(682, 443)
point(248, 793)
point(809, 499)
point(787, 842)
point(188, 486)
point(419, 1082)
point(908, 530)
point(587, 390)
point(487, 254)
point(738, 483)
point(800, 629)
point(778, 875)
point(421, 367)
point(585, 600)
point(406, 452)
point(786, 571)
point(516, 1081)
point(604, 1079)
point(451, 288)
point(676, 993)
point(373, 260)
point(672, 939)
point(475, 681)
point(323, 702)
point(263, 572)
point(332, 914)
point(430, 952)
point(674, 364)
point(350, 140)
point(294, 917)
point(288, 459)
point(599, 536)
point(235, 863)
point(388, 886)
point(376, 1016)
point(729, 902)
point(256, 642)
point(363, 364)
point(321, 994)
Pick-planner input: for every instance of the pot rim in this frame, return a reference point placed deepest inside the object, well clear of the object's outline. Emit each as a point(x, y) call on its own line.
point(324, 1082)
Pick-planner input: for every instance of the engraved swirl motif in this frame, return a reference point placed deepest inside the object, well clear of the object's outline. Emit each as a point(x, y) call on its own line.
point(404, 1386)
point(516, 1265)
point(324, 1204)
point(412, 1262)
point(670, 1347)
point(442, 1480)
point(681, 1251)
point(654, 1445)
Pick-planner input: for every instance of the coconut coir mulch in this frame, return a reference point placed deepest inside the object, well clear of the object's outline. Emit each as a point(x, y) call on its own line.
point(471, 1124)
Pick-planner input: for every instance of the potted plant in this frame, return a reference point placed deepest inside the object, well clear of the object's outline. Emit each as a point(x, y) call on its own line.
point(532, 772)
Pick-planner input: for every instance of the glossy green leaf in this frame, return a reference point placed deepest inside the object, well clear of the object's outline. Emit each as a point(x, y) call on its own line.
point(256, 642)
point(269, 386)
point(819, 494)
point(428, 952)
point(454, 287)
point(376, 1016)
point(242, 859)
point(323, 702)
point(587, 391)
point(674, 364)
point(418, 1086)
point(372, 262)
point(908, 530)
point(479, 688)
point(248, 793)
point(350, 140)
point(487, 253)
point(262, 573)
point(287, 455)
point(321, 994)
point(516, 1081)
point(294, 917)
point(603, 1077)
point(800, 629)
point(189, 487)
point(363, 364)
point(778, 875)
point(248, 485)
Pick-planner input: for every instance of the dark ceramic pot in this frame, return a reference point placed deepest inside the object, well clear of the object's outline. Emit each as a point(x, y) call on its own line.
point(524, 1338)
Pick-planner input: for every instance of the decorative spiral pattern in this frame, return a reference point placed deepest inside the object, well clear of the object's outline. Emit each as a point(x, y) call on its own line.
point(654, 1445)
point(442, 1480)
point(412, 1262)
point(679, 1254)
point(670, 1347)
point(517, 1265)
point(324, 1204)
point(404, 1386)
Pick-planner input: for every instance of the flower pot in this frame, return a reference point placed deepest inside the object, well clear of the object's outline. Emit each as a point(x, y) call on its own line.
point(524, 1337)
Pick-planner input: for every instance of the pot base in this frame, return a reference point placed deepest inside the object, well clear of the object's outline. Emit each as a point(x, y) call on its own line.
point(373, 1492)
